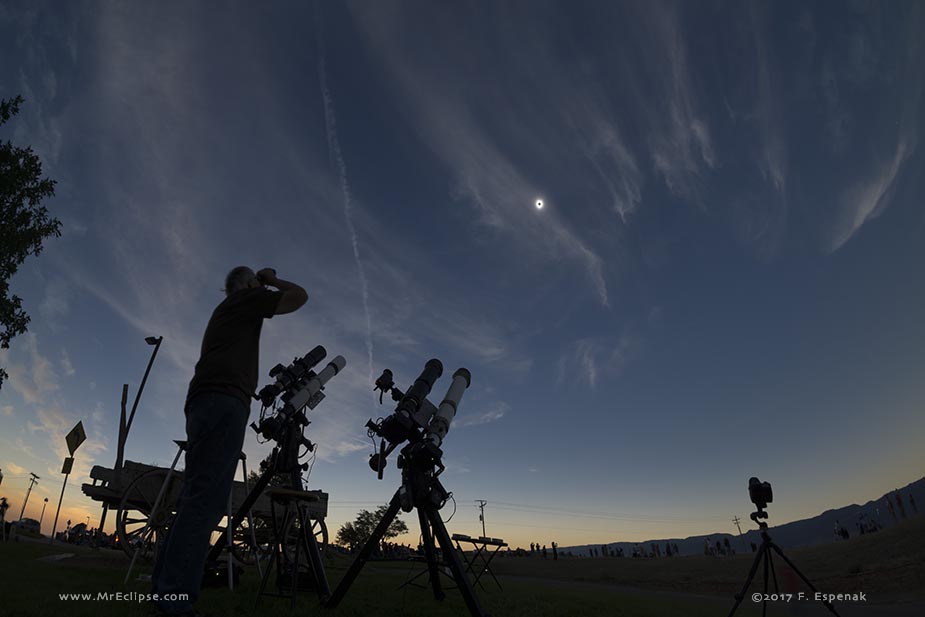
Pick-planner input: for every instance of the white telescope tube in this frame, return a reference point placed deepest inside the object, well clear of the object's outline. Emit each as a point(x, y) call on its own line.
point(440, 424)
point(301, 398)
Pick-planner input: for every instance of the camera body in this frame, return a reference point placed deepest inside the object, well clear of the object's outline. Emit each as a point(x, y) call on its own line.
point(760, 493)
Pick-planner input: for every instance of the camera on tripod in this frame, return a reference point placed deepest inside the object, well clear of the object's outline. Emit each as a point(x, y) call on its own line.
point(760, 493)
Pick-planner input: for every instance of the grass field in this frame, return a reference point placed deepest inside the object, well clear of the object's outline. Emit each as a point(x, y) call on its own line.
point(887, 566)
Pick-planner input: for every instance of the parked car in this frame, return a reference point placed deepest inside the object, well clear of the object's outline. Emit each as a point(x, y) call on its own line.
point(29, 525)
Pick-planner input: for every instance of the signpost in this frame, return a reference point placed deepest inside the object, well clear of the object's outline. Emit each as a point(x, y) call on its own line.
point(76, 437)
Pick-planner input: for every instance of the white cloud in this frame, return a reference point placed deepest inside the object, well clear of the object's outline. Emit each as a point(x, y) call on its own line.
point(867, 198)
point(66, 365)
point(34, 378)
point(54, 304)
point(590, 359)
point(24, 447)
point(15, 469)
point(495, 412)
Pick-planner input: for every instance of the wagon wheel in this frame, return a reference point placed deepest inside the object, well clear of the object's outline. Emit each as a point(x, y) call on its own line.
point(243, 546)
point(138, 526)
point(247, 553)
point(319, 529)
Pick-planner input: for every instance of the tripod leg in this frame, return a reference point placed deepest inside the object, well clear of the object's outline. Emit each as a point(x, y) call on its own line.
point(314, 555)
point(748, 581)
point(826, 603)
point(334, 599)
point(294, 566)
point(453, 560)
point(431, 553)
point(773, 573)
point(764, 599)
point(274, 560)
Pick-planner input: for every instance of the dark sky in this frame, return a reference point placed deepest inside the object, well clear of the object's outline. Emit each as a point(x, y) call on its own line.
point(724, 281)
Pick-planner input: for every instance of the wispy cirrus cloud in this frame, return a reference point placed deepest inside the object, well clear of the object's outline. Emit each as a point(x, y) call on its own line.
point(493, 413)
point(680, 143)
point(871, 193)
point(33, 376)
point(592, 359)
point(867, 198)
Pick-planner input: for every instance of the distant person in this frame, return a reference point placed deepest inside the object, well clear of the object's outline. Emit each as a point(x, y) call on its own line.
point(217, 409)
point(3, 508)
point(544, 551)
point(555, 552)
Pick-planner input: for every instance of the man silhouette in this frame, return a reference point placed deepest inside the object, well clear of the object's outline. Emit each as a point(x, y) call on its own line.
point(217, 409)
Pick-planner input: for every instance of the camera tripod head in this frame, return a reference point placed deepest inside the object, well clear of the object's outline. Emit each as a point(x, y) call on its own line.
point(416, 419)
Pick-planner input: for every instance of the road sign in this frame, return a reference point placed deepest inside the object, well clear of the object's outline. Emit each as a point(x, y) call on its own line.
point(76, 437)
point(68, 463)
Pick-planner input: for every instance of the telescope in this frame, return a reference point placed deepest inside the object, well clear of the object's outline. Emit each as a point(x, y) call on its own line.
point(424, 426)
point(416, 419)
point(298, 387)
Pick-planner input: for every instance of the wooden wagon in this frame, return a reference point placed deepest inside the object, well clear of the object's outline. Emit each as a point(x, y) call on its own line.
point(144, 498)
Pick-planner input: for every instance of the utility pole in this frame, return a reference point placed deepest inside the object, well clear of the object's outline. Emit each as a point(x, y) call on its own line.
point(26, 500)
point(737, 520)
point(482, 503)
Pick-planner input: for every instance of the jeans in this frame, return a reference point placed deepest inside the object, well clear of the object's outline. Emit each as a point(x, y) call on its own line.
point(215, 425)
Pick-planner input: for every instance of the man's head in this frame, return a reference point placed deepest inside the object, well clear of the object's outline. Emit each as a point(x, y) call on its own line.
point(239, 278)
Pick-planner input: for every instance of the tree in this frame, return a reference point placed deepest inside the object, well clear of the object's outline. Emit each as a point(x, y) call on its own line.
point(355, 534)
point(24, 223)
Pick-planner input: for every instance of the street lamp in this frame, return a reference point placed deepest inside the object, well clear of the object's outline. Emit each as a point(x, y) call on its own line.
point(154, 341)
point(43, 515)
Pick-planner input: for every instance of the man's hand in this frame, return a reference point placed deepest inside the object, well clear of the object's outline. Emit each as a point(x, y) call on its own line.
point(293, 295)
point(267, 276)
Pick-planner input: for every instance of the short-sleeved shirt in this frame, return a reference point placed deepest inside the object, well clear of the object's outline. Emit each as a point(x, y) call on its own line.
point(228, 363)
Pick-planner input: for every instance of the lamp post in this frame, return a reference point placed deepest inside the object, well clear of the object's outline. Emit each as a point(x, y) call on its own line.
point(125, 426)
point(43, 515)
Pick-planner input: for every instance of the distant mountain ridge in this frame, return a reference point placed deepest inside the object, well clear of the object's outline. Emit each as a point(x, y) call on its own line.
point(819, 529)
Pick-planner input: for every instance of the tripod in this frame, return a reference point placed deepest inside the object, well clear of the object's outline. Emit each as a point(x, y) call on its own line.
point(284, 459)
point(421, 491)
point(764, 556)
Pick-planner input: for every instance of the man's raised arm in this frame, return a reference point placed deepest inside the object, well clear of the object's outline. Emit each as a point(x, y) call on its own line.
point(294, 296)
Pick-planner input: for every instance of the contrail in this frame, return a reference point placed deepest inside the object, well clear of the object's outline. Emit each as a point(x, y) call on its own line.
point(337, 159)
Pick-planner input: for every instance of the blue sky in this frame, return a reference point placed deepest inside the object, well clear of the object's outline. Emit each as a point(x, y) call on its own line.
point(725, 280)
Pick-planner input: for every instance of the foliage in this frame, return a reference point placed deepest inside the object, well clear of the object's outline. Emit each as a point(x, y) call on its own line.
point(355, 534)
point(24, 223)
